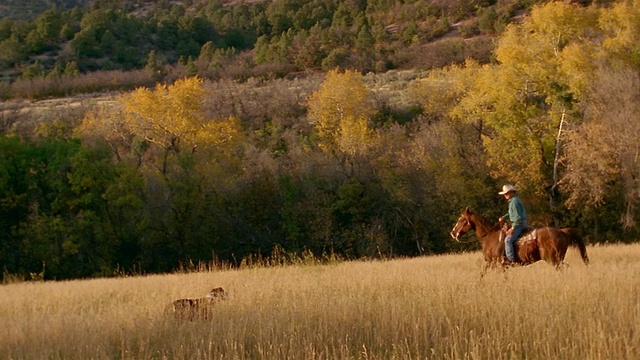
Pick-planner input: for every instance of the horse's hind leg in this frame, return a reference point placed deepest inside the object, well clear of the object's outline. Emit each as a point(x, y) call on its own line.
point(559, 258)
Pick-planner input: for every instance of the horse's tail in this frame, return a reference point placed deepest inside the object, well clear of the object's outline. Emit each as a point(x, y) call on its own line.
point(575, 239)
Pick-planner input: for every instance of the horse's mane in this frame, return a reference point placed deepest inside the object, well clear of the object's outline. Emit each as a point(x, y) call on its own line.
point(488, 225)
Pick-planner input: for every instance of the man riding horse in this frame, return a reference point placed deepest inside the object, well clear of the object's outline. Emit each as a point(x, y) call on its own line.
point(518, 218)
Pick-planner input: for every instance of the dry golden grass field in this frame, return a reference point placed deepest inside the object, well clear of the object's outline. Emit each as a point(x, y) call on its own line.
point(422, 308)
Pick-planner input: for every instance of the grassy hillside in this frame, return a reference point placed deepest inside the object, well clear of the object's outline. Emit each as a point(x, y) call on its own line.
point(428, 307)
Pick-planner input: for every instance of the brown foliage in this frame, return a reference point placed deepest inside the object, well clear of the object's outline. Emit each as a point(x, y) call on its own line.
point(602, 153)
point(61, 86)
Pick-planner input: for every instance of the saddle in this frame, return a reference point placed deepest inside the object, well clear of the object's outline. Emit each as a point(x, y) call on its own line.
point(528, 235)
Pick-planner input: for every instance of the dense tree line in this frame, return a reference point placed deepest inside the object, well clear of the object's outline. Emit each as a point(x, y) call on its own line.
point(354, 165)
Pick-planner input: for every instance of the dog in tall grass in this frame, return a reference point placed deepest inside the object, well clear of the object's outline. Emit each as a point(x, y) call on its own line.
point(196, 308)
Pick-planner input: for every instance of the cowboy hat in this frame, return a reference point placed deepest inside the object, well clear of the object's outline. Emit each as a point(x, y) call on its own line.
point(507, 189)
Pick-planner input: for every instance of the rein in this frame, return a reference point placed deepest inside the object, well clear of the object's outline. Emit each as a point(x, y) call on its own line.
point(468, 234)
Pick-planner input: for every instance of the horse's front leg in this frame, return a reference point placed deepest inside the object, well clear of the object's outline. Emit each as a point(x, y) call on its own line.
point(561, 265)
point(485, 267)
point(489, 263)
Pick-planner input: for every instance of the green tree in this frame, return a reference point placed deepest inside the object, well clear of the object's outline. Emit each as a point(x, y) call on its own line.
point(487, 19)
point(5, 28)
point(365, 40)
point(12, 51)
point(307, 49)
point(71, 69)
point(86, 44)
point(156, 65)
point(54, 208)
point(48, 26)
point(32, 71)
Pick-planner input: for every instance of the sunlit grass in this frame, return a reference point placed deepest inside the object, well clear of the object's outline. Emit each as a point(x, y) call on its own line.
point(429, 307)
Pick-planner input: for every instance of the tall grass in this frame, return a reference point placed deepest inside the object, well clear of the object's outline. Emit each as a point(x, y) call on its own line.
point(421, 308)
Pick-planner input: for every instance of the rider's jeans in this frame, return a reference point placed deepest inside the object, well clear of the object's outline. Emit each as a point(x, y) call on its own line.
point(511, 239)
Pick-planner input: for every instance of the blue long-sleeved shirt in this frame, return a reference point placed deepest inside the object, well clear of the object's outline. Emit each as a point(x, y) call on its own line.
point(517, 215)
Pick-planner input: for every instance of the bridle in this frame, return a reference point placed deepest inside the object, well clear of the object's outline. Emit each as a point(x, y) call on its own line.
point(467, 234)
point(457, 236)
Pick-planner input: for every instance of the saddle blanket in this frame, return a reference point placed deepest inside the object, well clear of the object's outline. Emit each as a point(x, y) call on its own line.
point(528, 235)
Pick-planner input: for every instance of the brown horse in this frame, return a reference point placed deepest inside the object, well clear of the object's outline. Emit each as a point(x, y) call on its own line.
point(550, 244)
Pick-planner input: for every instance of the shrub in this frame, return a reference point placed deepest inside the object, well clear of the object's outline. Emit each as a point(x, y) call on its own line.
point(60, 86)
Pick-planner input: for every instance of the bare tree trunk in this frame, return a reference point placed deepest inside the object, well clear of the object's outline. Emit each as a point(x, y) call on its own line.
point(556, 160)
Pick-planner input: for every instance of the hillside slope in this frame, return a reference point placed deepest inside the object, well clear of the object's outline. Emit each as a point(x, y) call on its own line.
point(242, 39)
point(22, 10)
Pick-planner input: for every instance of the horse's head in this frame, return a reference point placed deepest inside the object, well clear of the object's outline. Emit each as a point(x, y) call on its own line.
point(463, 226)
point(217, 293)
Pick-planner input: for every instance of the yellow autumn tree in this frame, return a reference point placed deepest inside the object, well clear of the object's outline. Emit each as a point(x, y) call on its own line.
point(447, 147)
point(437, 93)
point(167, 121)
point(621, 27)
point(168, 116)
point(520, 104)
point(341, 114)
point(171, 117)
